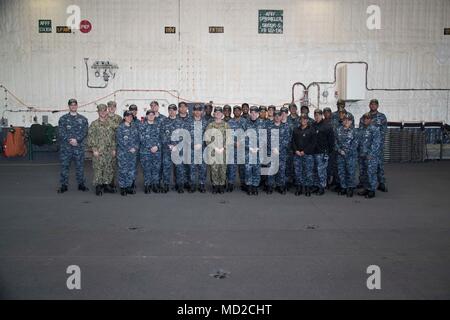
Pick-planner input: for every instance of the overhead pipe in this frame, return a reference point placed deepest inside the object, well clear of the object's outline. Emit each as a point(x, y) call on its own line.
point(376, 89)
point(318, 91)
point(293, 87)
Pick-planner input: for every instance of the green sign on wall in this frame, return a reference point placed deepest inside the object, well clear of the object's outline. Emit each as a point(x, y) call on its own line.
point(45, 26)
point(270, 21)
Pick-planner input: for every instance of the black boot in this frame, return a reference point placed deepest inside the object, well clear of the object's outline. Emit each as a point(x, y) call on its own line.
point(108, 189)
point(123, 191)
point(202, 188)
point(308, 191)
point(130, 190)
point(82, 187)
point(255, 191)
point(180, 188)
point(363, 193)
point(146, 189)
point(155, 188)
point(370, 194)
point(165, 188)
point(320, 192)
point(214, 189)
point(98, 190)
point(230, 187)
point(62, 189)
point(314, 189)
point(342, 191)
point(382, 187)
point(283, 189)
point(249, 190)
point(349, 192)
point(298, 190)
point(269, 190)
point(244, 187)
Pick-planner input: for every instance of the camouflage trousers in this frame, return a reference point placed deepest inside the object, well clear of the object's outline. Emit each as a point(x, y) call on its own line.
point(218, 174)
point(103, 167)
point(67, 155)
point(231, 173)
point(380, 167)
point(167, 166)
point(346, 166)
point(151, 166)
point(320, 170)
point(252, 174)
point(197, 172)
point(279, 178)
point(368, 173)
point(290, 167)
point(303, 167)
point(126, 162)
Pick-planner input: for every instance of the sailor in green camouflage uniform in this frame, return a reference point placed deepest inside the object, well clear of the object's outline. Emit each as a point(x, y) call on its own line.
point(102, 141)
point(218, 170)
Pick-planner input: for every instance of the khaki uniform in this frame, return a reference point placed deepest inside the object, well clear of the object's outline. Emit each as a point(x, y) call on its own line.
point(219, 171)
point(102, 138)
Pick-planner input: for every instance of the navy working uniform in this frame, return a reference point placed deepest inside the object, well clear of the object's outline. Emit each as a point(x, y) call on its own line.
point(72, 127)
point(182, 169)
point(149, 137)
point(284, 134)
point(127, 137)
point(236, 124)
point(346, 149)
point(197, 171)
point(379, 120)
point(253, 168)
point(369, 149)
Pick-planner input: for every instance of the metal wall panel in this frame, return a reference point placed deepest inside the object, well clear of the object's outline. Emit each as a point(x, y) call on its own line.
point(240, 65)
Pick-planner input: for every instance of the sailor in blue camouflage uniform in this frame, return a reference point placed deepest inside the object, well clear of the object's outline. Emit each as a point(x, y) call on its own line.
point(226, 113)
point(150, 151)
point(236, 123)
point(293, 118)
point(154, 106)
point(369, 149)
point(324, 145)
point(183, 169)
point(197, 127)
point(289, 159)
point(208, 113)
point(252, 159)
point(379, 120)
point(134, 110)
point(72, 131)
point(127, 137)
point(346, 148)
point(340, 104)
point(264, 160)
point(168, 126)
point(303, 148)
point(278, 180)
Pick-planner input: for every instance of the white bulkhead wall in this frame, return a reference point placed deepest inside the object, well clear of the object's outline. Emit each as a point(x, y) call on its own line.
point(239, 65)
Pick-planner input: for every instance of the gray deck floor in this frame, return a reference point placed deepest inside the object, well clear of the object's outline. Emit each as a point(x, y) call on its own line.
point(274, 247)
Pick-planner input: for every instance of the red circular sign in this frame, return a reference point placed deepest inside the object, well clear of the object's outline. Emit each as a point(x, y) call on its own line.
point(85, 26)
